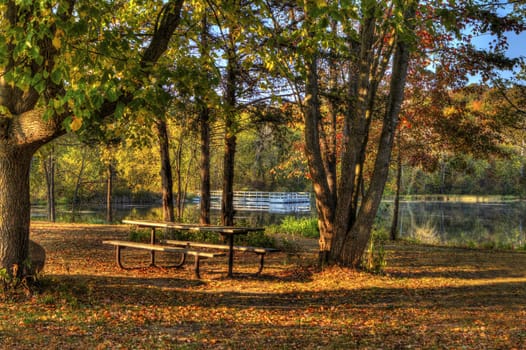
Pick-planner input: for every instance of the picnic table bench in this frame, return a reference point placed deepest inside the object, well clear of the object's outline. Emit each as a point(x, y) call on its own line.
point(260, 251)
point(161, 248)
point(191, 247)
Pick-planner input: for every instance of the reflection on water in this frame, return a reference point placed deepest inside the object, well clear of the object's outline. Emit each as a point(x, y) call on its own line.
point(482, 224)
point(270, 216)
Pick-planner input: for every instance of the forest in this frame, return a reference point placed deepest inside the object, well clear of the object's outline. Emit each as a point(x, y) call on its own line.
point(348, 99)
point(271, 159)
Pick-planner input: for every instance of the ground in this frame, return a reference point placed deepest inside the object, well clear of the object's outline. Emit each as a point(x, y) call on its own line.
point(427, 298)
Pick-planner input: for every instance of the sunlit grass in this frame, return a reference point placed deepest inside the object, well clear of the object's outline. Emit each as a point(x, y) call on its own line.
point(303, 226)
point(460, 198)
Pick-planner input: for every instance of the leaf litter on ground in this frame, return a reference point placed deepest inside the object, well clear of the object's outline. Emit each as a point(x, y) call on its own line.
point(427, 297)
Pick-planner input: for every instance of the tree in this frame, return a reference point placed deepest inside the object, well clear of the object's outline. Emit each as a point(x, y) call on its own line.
point(64, 64)
point(48, 163)
point(372, 44)
point(204, 129)
point(365, 41)
point(238, 45)
point(166, 171)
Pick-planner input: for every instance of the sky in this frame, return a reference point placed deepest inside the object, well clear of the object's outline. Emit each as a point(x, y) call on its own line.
point(517, 43)
point(517, 48)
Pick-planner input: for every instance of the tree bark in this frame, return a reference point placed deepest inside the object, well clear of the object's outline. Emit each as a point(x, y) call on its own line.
point(21, 136)
point(396, 209)
point(49, 170)
point(227, 199)
point(15, 207)
point(179, 178)
point(204, 204)
point(325, 202)
point(75, 200)
point(204, 131)
point(166, 172)
point(355, 134)
point(361, 231)
point(109, 192)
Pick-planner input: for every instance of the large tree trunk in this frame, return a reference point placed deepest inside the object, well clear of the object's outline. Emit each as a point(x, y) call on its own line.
point(166, 172)
point(345, 221)
point(21, 136)
point(361, 231)
point(355, 135)
point(325, 198)
point(227, 199)
point(14, 207)
point(204, 130)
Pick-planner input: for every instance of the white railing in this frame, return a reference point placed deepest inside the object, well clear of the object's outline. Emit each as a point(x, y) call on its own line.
point(276, 202)
point(272, 197)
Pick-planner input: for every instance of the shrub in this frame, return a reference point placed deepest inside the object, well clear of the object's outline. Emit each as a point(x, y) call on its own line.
point(373, 259)
point(305, 226)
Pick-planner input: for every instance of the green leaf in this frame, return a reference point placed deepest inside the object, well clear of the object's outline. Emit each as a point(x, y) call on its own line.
point(56, 76)
point(111, 94)
point(119, 110)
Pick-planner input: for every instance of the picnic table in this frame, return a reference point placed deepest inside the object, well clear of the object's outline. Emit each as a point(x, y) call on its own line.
point(227, 232)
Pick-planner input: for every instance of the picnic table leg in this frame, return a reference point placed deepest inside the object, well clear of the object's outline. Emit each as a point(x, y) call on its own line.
point(196, 267)
point(152, 241)
point(118, 256)
point(230, 254)
point(261, 262)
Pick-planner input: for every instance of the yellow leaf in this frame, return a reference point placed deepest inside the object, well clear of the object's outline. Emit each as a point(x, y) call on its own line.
point(449, 111)
point(76, 123)
point(57, 43)
point(321, 3)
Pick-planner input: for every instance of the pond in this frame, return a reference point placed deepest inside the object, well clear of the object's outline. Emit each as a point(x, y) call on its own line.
point(479, 223)
point(253, 216)
point(473, 224)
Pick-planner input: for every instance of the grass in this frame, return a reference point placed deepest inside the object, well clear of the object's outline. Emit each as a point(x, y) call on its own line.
point(427, 298)
point(302, 226)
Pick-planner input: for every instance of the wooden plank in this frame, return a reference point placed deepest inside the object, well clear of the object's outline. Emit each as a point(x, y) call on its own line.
point(259, 250)
point(196, 244)
point(157, 224)
point(161, 248)
point(193, 227)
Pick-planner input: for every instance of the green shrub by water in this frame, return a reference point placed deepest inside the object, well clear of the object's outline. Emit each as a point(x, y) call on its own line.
point(306, 227)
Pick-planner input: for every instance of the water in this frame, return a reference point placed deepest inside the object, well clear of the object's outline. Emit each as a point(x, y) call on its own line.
point(477, 224)
point(474, 224)
point(247, 216)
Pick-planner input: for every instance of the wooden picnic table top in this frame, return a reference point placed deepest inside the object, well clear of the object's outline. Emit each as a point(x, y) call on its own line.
point(193, 227)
